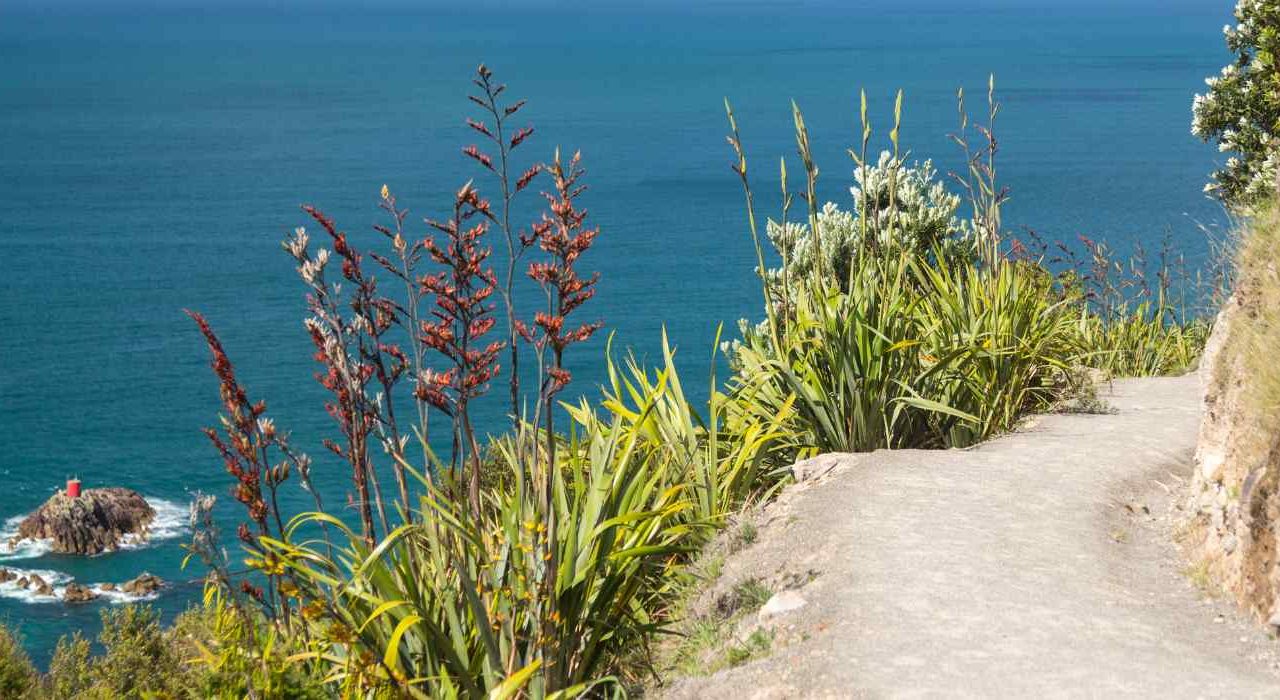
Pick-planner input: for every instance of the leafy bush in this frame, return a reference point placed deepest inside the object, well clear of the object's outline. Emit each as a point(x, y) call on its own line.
point(723, 459)
point(906, 331)
point(18, 677)
point(209, 652)
point(231, 653)
point(1000, 345)
point(913, 355)
point(895, 325)
point(1143, 340)
point(70, 670)
point(137, 659)
point(1241, 109)
point(841, 358)
point(902, 206)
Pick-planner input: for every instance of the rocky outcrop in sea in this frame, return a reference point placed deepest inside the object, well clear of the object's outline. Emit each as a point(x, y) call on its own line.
point(95, 521)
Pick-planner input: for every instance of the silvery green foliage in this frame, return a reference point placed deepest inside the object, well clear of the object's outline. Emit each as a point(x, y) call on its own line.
point(1241, 109)
point(905, 207)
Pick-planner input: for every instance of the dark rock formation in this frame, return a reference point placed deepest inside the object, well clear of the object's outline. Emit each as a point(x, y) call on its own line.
point(94, 522)
point(144, 584)
point(77, 593)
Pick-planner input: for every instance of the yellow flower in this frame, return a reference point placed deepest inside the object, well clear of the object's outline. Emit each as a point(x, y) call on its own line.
point(312, 610)
point(385, 192)
point(340, 633)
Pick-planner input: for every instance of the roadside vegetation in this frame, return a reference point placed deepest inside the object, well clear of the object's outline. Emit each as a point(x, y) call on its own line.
point(1233, 545)
point(1252, 342)
point(543, 563)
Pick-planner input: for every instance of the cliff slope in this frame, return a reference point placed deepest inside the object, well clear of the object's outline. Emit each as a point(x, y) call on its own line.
point(1234, 503)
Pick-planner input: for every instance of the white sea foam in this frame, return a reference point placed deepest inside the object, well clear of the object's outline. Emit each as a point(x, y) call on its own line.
point(10, 589)
point(25, 549)
point(58, 582)
point(172, 520)
point(119, 597)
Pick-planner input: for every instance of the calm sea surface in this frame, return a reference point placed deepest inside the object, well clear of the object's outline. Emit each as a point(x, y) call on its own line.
point(151, 162)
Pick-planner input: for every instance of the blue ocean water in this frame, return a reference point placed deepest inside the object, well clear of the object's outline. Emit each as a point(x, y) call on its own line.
point(151, 160)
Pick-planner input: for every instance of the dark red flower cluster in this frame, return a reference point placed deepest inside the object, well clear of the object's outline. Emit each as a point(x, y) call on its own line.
point(462, 313)
point(564, 236)
point(503, 144)
point(241, 451)
point(351, 349)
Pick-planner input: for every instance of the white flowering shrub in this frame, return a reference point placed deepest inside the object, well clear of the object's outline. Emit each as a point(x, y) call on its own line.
point(904, 207)
point(1241, 109)
point(901, 206)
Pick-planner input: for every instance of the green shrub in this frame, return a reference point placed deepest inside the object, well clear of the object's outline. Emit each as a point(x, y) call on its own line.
point(999, 344)
point(1241, 109)
point(235, 653)
point(18, 677)
point(916, 354)
point(840, 359)
point(908, 330)
point(70, 671)
point(1144, 340)
point(897, 326)
point(895, 206)
point(137, 658)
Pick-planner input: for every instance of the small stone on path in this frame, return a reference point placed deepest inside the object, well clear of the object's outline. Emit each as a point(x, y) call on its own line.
point(781, 604)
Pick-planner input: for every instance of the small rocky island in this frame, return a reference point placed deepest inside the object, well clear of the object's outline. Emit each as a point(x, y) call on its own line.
point(88, 522)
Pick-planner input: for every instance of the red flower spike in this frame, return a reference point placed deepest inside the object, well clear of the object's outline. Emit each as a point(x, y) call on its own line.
point(461, 318)
point(481, 158)
point(518, 138)
point(562, 235)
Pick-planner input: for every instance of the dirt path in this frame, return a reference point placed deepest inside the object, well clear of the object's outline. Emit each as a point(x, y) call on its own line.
point(1024, 567)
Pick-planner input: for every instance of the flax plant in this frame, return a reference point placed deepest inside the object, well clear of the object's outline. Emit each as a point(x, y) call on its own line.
point(539, 584)
point(919, 346)
point(979, 181)
point(500, 137)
